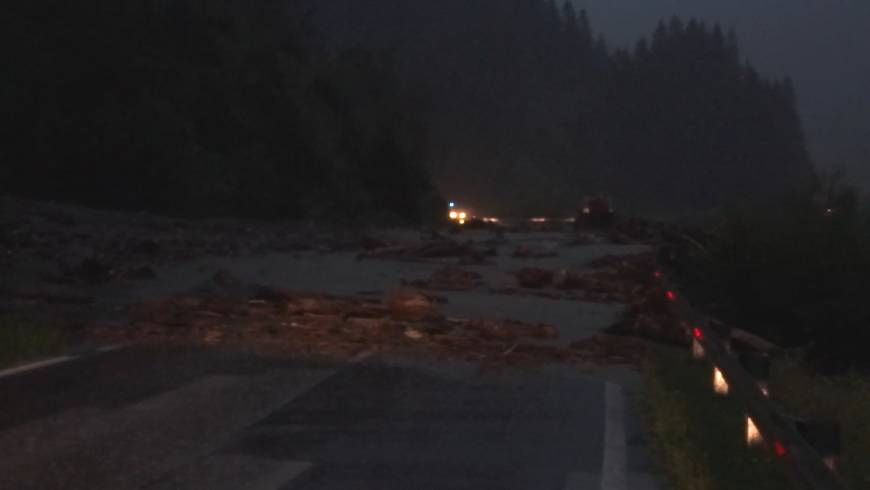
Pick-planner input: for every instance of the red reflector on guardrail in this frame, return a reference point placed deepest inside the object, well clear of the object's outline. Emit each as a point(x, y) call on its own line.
point(671, 296)
point(779, 449)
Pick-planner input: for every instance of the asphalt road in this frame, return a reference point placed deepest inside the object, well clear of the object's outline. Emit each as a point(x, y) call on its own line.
point(182, 418)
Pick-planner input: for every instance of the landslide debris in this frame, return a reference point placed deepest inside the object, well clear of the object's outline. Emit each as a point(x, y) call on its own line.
point(628, 279)
point(299, 323)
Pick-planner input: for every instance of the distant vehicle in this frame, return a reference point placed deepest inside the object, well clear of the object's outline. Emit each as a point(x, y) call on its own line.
point(597, 212)
point(457, 215)
point(465, 217)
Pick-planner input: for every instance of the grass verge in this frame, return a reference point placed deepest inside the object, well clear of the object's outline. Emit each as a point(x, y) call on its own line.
point(24, 340)
point(844, 398)
point(698, 438)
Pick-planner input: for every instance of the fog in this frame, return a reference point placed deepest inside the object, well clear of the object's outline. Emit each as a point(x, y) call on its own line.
point(823, 45)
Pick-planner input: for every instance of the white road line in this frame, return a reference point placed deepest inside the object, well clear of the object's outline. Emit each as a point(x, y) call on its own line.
point(613, 467)
point(54, 360)
point(362, 356)
point(35, 365)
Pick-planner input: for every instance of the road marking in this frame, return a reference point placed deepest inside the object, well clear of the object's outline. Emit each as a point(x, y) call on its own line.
point(55, 360)
point(613, 467)
point(35, 365)
point(362, 356)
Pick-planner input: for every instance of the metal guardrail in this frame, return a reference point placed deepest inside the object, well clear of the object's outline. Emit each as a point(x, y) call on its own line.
point(779, 431)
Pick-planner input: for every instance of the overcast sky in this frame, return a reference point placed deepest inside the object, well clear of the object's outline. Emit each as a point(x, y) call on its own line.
point(824, 45)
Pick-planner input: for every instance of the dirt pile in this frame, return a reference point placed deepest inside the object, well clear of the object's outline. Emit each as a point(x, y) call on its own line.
point(634, 280)
point(614, 279)
point(651, 315)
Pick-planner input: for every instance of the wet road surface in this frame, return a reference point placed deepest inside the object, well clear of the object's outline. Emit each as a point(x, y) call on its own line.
point(162, 418)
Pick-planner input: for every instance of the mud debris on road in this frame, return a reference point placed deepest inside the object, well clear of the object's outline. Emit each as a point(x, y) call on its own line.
point(438, 248)
point(290, 322)
point(614, 279)
point(63, 260)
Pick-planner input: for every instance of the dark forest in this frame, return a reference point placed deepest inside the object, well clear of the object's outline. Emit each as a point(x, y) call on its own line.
point(346, 110)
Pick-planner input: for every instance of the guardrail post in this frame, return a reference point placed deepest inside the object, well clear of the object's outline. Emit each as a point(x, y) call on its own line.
point(722, 331)
point(753, 436)
point(720, 385)
point(808, 452)
point(824, 435)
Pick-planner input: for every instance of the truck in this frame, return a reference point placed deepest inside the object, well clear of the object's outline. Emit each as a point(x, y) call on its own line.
point(597, 212)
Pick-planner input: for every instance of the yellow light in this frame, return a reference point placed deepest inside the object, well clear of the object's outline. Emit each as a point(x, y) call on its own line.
point(454, 215)
point(753, 437)
point(462, 215)
point(720, 386)
point(539, 220)
point(461, 221)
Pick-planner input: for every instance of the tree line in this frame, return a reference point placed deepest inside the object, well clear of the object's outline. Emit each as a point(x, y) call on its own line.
point(531, 108)
point(794, 272)
point(203, 108)
point(351, 109)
